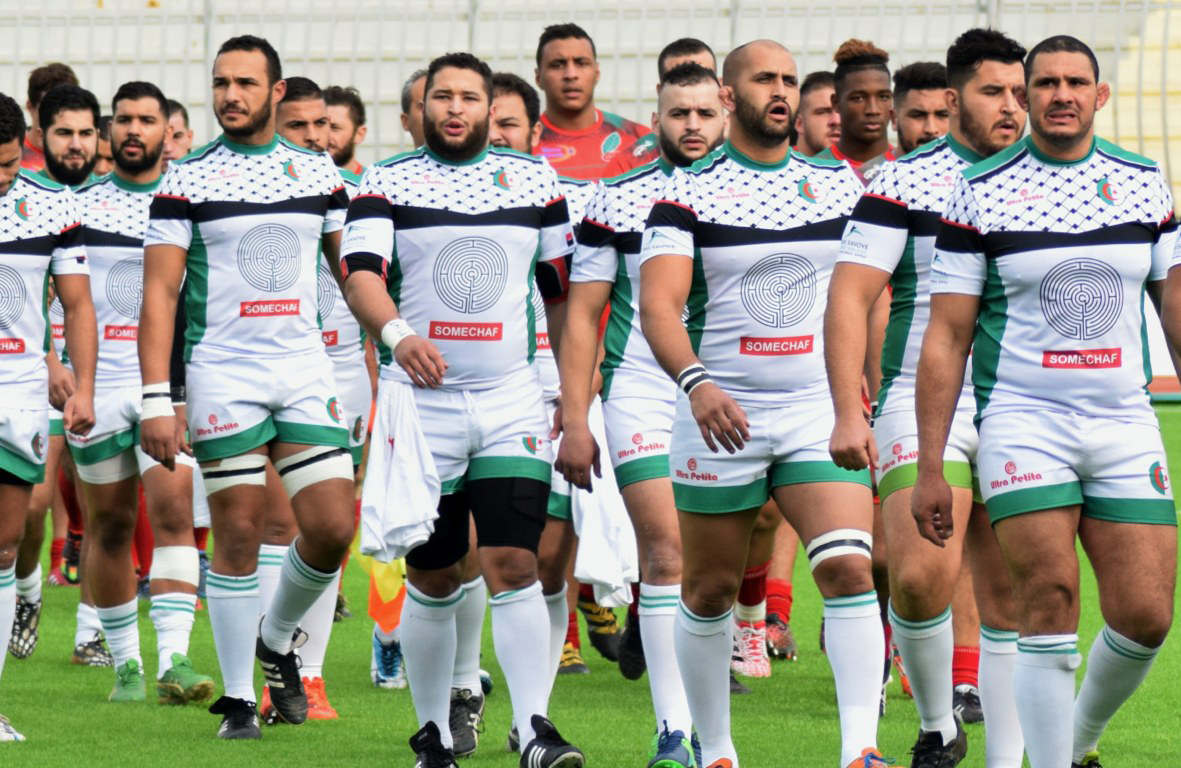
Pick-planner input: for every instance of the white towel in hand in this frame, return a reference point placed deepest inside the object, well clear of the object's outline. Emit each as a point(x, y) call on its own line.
point(400, 498)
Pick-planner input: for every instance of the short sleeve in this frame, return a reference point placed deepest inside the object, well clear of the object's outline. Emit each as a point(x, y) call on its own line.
point(959, 265)
point(69, 250)
point(1166, 242)
point(368, 238)
point(672, 221)
point(879, 227)
point(338, 201)
point(170, 216)
point(595, 258)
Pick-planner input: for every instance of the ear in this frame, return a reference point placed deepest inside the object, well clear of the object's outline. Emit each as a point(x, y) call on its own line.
point(1103, 96)
point(952, 98)
point(278, 91)
point(359, 136)
point(1022, 97)
point(537, 76)
point(535, 134)
point(726, 94)
point(655, 122)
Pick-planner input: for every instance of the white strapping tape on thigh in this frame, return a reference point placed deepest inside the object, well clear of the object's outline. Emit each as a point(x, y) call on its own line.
point(176, 563)
point(842, 541)
point(247, 469)
point(318, 463)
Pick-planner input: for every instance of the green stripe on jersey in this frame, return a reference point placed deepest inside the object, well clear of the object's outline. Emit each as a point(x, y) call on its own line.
point(904, 281)
point(619, 325)
point(990, 330)
point(698, 298)
point(530, 312)
point(196, 292)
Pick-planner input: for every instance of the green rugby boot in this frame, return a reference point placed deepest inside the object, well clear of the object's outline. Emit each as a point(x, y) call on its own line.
point(180, 684)
point(129, 682)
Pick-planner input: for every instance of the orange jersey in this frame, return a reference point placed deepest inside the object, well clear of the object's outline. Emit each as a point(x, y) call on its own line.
point(585, 154)
point(864, 170)
point(32, 159)
point(643, 151)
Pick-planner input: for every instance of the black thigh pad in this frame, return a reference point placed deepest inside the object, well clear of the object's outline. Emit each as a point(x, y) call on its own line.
point(509, 511)
point(449, 543)
point(7, 478)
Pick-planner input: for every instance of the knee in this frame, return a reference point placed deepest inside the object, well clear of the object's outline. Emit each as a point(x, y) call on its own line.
point(1148, 626)
point(172, 518)
point(710, 594)
point(1049, 605)
point(844, 575)
point(916, 583)
point(439, 582)
point(113, 530)
point(517, 569)
point(661, 563)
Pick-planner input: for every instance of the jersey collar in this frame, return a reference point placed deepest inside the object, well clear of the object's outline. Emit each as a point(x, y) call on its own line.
point(131, 186)
point(753, 164)
point(665, 166)
point(250, 149)
point(963, 151)
point(1033, 150)
point(574, 134)
point(443, 161)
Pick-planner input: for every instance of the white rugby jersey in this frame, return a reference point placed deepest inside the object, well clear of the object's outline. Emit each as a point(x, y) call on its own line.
point(763, 239)
point(40, 235)
point(1059, 254)
point(609, 251)
point(893, 229)
point(343, 337)
point(251, 218)
point(460, 245)
point(115, 219)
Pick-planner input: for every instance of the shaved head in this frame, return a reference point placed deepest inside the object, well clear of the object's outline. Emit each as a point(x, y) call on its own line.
point(739, 59)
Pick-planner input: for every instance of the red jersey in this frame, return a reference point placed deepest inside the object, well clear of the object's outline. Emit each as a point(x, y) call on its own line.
point(32, 159)
point(864, 170)
point(643, 151)
point(585, 154)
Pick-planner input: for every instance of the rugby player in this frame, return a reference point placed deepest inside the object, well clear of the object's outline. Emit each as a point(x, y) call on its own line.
point(577, 137)
point(109, 463)
point(410, 249)
point(42, 80)
point(863, 98)
point(42, 237)
point(248, 216)
point(179, 140)
point(346, 127)
point(754, 383)
point(818, 123)
point(890, 239)
point(104, 161)
point(638, 399)
point(412, 95)
point(920, 104)
point(1040, 269)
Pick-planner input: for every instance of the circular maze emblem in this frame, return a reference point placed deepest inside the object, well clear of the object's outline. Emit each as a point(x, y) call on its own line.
point(12, 297)
point(269, 256)
point(125, 287)
point(780, 290)
point(1082, 298)
point(325, 291)
point(470, 274)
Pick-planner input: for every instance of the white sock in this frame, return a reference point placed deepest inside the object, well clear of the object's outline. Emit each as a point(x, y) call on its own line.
point(658, 618)
point(1043, 685)
point(559, 618)
point(927, 648)
point(172, 616)
point(318, 624)
point(469, 628)
point(382, 635)
point(299, 586)
point(233, 613)
point(7, 610)
point(1004, 747)
point(856, 646)
point(87, 624)
point(703, 647)
point(1115, 668)
point(121, 626)
point(270, 568)
point(751, 613)
point(428, 645)
point(30, 586)
point(521, 637)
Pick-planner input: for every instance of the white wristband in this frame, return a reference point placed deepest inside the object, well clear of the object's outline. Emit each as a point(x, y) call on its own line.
point(395, 331)
point(157, 401)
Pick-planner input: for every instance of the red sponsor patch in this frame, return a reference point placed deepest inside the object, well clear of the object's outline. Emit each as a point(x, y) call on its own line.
point(330, 338)
point(59, 331)
point(771, 346)
point(543, 341)
point(273, 308)
point(12, 346)
point(467, 331)
point(120, 332)
point(1083, 358)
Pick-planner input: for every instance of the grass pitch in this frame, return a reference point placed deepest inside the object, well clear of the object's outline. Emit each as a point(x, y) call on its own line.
point(788, 720)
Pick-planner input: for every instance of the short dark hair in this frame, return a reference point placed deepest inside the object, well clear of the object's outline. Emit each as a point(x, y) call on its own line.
point(138, 89)
point(12, 121)
point(507, 82)
point(66, 98)
point(856, 56)
point(408, 86)
point(976, 46)
point(919, 76)
point(459, 61)
point(104, 127)
point(301, 89)
point(254, 43)
point(175, 107)
point(44, 79)
point(339, 96)
point(1061, 44)
point(688, 73)
point(563, 32)
point(816, 80)
point(685, 46)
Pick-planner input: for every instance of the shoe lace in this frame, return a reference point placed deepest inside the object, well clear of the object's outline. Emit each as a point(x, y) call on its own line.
point(666, 740)
point(390, 659)
point(876, 761)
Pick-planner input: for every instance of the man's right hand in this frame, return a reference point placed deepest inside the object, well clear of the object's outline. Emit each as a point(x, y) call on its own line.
point(158, 438)
point(578, 453)
point(719, 418)
point(61, 384)
point(930, 504)
point(852, 445)
point(422, 362)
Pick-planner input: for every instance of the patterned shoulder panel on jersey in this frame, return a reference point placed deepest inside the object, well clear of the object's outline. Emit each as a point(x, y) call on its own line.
point(578, 195)
point(39, 216)
point(115, 212)
point(619, 211)
point(1121, 155)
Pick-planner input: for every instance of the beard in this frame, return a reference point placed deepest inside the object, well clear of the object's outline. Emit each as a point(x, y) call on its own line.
point(466, 149)
point(259, 120)
point(1062, 140)
point(149, 158)
point(66, 174)
point(977, 135)
point(343, 155)
point(754, 121)
point(673, 153)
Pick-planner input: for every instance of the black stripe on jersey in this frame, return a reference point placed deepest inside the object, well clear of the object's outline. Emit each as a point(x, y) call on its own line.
point(369, 207)
point(71, 237)
point(363, 262)
point(30, 246)
point(882, 211)
point(711, 235)
point(553, 279)
point(1167, 226)
point(1005, 243)
point(412, 217)
point(170, 207)
point(958, 238)
point(594, 234)
point(215, 210)
point(339, 199)
point(668, 213)
point(924, 223)
point(96, 238)
point(629, 242)
point(556, 213)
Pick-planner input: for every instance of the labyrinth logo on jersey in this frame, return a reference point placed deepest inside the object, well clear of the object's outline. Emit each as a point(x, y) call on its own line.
point(1083, 358)
point(770, 346)
point(274, 308)
point(779, 290)
point(13, 297)
point(470, 274)
point(125, 286)
point(1082, 298)
point(269, 257)
point(1159, 477)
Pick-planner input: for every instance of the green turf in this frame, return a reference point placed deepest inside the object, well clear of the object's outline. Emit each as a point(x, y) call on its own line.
point(789, 720)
